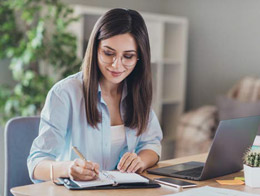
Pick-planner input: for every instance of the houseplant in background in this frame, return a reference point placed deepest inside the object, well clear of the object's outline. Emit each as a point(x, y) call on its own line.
point(252, 168)
point(34, 36)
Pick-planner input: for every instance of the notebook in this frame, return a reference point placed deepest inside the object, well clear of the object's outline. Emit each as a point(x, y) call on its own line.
point(113, 178)
point(110, 180)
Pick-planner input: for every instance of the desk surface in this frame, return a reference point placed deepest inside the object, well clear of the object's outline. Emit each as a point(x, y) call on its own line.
point(48, 188)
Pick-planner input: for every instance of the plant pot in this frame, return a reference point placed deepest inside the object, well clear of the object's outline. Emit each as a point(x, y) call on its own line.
point(252, 176)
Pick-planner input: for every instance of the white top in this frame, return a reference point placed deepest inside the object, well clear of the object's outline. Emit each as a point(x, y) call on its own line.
point(118, 141)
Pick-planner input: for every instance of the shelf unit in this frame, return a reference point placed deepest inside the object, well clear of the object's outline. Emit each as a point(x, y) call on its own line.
point(168, 39)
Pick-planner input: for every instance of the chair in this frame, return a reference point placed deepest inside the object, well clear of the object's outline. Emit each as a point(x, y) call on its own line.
point(19, 135)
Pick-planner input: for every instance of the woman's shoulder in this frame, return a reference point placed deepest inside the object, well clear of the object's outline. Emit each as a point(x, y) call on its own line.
point(70, 84)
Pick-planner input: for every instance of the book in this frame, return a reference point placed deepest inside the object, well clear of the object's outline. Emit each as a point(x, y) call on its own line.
point(112, 178)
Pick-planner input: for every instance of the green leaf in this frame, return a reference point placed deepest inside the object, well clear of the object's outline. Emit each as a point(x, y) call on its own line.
point(18, 90)
point(39, 42)
point(17, 68)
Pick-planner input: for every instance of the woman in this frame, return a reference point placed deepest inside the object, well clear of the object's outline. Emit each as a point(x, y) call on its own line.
point(104, 110)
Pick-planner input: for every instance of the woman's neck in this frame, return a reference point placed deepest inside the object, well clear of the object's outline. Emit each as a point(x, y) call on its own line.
point(109, 88)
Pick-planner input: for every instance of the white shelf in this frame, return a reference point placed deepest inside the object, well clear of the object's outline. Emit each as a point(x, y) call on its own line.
point(171, 61)
point(173, 80)
point(168, 41)
point(170, 100)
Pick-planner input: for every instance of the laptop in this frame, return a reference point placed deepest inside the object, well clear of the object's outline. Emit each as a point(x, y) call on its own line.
point(233, 137)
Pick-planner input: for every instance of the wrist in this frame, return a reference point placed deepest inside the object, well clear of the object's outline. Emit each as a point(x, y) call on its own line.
point(143, 163)
point(64, 169)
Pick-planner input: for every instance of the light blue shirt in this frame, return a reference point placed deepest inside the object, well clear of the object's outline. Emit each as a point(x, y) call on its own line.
point(63, 125)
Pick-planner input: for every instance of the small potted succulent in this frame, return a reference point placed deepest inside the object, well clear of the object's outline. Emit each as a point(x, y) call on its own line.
point(252, 168)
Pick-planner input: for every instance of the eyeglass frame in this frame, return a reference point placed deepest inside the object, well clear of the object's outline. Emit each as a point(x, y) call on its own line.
point(115, 58)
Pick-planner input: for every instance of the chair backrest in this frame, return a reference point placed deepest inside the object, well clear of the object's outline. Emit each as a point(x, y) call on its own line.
point(19, 135)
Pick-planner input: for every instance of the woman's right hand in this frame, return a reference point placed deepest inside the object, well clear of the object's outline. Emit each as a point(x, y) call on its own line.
point(83, 170)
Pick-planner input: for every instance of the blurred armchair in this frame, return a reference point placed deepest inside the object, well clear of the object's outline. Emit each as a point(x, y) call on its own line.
point(196, 128)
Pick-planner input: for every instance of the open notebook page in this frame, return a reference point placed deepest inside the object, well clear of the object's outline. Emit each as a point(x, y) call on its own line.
point(116, 176)
point(128, 177)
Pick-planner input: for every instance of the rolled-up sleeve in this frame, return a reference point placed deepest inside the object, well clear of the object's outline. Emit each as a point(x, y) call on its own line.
point(151, 138)
point(52, 130)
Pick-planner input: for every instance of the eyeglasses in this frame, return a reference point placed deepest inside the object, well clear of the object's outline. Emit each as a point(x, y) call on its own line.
point(109, 57)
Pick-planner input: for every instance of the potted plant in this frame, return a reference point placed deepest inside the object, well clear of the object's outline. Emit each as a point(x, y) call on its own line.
point(252, 168)
point(35, 39)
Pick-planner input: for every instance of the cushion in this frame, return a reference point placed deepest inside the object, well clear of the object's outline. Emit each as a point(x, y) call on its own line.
point(246, 90)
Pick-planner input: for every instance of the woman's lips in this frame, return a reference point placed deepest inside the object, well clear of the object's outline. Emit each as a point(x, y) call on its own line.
point(115, 73)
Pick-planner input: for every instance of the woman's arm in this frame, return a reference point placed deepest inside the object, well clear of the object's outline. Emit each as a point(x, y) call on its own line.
point(148, 149)
point(78, 170)
point(149, 157)
point(42, 171)
point(51, 142)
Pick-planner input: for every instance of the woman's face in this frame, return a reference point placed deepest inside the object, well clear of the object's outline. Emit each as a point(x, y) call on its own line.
point(117, 57)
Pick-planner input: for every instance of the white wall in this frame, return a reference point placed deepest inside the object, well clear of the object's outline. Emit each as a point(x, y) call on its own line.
point(139, 5)
point(224, 45)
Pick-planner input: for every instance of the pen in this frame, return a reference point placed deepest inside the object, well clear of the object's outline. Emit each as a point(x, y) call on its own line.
point(81, 156)
point(78, 153)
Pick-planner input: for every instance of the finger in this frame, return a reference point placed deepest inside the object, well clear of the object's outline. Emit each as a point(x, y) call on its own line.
point(89, 165)
point(84, 164)
point(80, 162)
point(82, 172)
point(132, 165)
point(140, 170)
point(122, 160)
point(128, 162)
point(96, 168)
point(137, 167)
point(123, 164)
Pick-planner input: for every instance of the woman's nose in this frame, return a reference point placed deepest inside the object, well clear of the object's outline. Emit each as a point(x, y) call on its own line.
point(117, 63)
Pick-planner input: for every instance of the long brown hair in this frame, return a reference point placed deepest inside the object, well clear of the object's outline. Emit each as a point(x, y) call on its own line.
point(139, 82)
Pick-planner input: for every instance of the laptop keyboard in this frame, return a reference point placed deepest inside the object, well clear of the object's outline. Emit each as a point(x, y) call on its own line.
point(195, 172)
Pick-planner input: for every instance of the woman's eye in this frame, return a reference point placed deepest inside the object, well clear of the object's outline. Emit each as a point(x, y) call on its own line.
point(108, 53)
point(128, 56)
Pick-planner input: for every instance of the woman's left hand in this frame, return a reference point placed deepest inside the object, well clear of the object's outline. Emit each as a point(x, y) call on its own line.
point(131, 162)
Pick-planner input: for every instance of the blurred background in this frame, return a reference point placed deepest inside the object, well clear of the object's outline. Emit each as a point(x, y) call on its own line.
point(205, 61)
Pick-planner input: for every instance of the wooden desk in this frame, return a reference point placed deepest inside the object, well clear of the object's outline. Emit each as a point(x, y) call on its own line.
point(48, 188)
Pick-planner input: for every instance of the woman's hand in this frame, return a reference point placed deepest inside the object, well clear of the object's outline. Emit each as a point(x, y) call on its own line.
point(83, 170)
point(131, 162)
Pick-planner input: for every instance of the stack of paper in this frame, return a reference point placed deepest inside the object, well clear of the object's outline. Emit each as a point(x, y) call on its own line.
point(210, 191)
